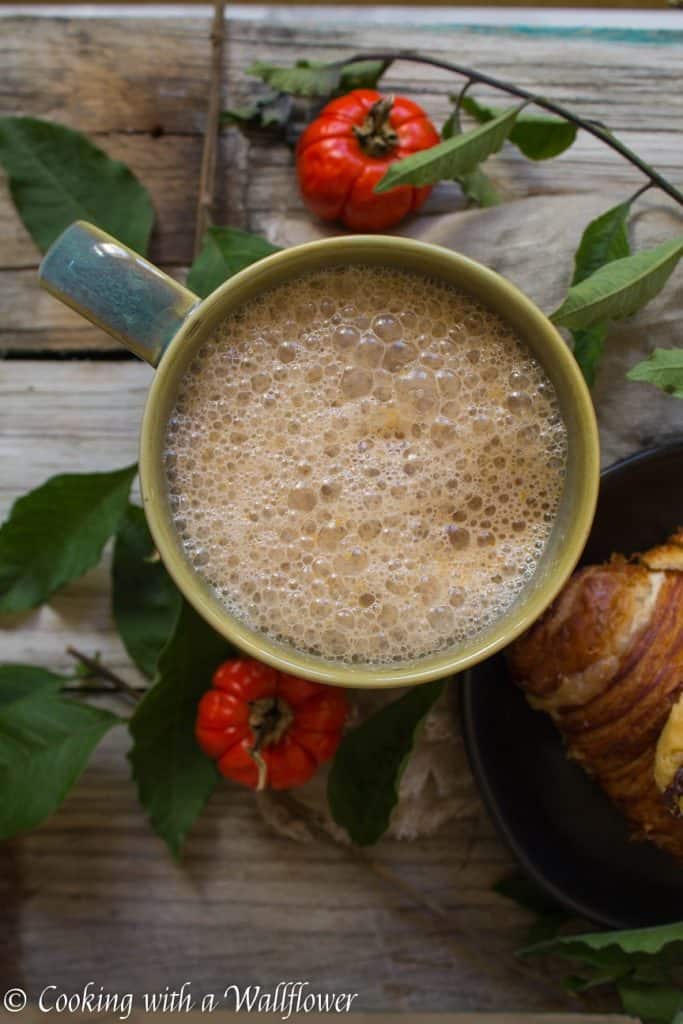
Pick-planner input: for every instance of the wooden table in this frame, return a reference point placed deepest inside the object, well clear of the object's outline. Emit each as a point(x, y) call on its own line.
point(93, 894)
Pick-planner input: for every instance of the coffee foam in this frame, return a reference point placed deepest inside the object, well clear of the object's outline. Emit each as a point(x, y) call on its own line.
point(365, 463)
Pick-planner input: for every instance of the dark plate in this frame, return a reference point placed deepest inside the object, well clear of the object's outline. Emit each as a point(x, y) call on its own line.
point(561, 828)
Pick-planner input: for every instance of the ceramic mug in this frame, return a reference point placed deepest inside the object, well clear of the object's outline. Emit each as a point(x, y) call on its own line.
point(164, 323)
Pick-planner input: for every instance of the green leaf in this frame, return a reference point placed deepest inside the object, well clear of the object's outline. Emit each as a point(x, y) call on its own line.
point(362, 74)
point(595, 977)
point(458, 155)
point(145, 600)
point(574, 983)
point(663, 368)
point(271, 111)
point(452, 125)
point(173, 776)
point(225, 251)
point(542, 137)
point(620, 288)
point(538, 136)
point(650, 941)
point(56, 533)
point(651, 1004)
point(476, 185)
point(597, 967)
point(363, 783)
point(550, 916)
point(604, 240)
point(56, 176)
point(527, 894)
point(17, 682)
point(653, 970)
point(314, 78)
point(45, 743)
point(546, 927)
point(588, 345)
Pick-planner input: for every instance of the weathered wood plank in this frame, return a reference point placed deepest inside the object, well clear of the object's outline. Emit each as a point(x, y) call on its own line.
point(144, 88)
point(248, 908)
point(258, 909)
point(610, 5)
point(642, 77)
point(105, 76)
point(153, 80)
point(67, 417)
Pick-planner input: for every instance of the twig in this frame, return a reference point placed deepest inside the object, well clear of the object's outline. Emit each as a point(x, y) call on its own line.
point(96, 668)
point(420, 900)
point(92, 691)
point(299, 809)
point(207, 178)
point(592, 127)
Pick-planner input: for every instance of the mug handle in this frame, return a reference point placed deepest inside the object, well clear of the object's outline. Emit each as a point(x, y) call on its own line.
point(115, 288)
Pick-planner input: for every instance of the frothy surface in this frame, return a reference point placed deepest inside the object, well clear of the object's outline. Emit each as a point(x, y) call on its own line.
point(366, 464)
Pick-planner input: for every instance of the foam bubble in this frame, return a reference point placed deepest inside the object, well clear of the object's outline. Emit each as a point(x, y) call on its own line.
point(371, 476)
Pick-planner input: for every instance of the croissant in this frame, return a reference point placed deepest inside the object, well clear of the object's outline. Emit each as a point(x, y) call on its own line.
point(606, 661)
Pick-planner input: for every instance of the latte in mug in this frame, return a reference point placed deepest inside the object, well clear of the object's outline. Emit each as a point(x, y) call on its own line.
point(366, 464)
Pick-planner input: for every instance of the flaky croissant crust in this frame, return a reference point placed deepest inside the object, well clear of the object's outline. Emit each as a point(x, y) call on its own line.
point(606, 661)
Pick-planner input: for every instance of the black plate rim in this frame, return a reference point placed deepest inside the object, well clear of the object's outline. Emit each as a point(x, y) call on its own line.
point(506, 833)
point(517, 849)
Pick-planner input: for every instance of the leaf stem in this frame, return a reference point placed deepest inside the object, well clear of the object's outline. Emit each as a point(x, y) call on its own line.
point(317, 827)
point(87, 691)
point(637, 194)
point(422, 902)
point(461, 97)
point(592, 127)
point(96, 668)
point(208, 171)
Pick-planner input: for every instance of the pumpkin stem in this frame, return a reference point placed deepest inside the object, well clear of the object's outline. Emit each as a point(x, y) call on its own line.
point(376, 136)
point(269, 720)
point(262, 769)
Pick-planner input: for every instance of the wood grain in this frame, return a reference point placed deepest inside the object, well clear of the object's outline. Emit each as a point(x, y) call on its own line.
point(609, 4)
point(145, 104)
point(247, 907)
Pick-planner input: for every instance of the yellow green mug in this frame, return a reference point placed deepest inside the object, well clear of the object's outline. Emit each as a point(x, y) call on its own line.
point(164, 323)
